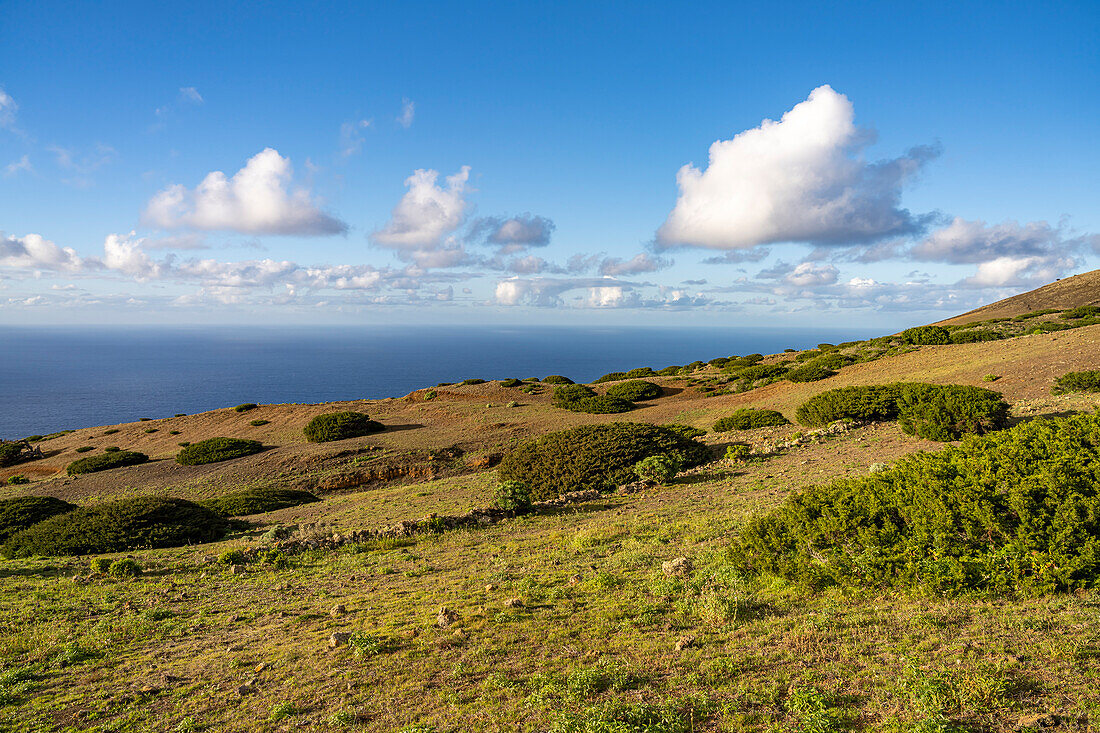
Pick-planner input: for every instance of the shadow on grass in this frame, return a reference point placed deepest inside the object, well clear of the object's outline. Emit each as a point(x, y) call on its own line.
point(399, 428)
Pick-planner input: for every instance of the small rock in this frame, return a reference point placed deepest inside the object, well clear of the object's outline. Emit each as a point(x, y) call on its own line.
point(338, 638)
point(338, 610)
point(490, 588)
point(459, 634)
point(679, 567)
point(445, 617)
point(236, 569)
point(574, 579)
point(261, 667)
point(685, 642)
point(514, 603)
point(170, 679)
point(1038, 721)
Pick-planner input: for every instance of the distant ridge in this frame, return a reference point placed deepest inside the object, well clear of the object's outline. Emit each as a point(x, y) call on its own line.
point(1070, 292)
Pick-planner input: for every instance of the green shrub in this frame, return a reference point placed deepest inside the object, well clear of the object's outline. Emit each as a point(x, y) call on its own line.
point(685, 431)
point(926, 335)
point(430, 394)
point(104, 461)
point(809, 372)
point(634, 390)
point(557, 379)
point(258, 501)
point(245, 407)
point(232, 557)
point(976, 335)
point(84, 448)
point(100, 565)
point(150, 430)
point(145, 419)
point(659, 468)
point(258, 423)
point(473, 381)
point(111, 449)
point(1016, 511)
point(180, 414)
point(1084, 311)
point(112, 431)
point(124, 568)
point(990, 378)
point(213, 450)
point(510, 382)
point(581, 398)
point(738, 452)
point(948, 412)
point(593, 457)
point(340, 426)
point(832, 360)
point(513, 496)
point(571, 393)
point(176, 432)
point(13, 453)
point(1087, 381)
point(748, 418)
point(18, 479)
point(144, 521)
point(24, 511)
point(866, 404)
point(760, 371)
point(1050, 327)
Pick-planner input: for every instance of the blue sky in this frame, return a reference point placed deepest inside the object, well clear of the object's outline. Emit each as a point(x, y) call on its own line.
point(560, 163)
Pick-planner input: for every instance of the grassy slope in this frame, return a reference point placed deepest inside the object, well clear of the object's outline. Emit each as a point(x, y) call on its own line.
point(599, 621)
point(1070, 292)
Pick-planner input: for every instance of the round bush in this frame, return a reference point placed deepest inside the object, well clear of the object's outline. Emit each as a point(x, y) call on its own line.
point(1088, 381)
point(634, 390)
point(760, 371)
point(126, 524)
point(245, 407)
point(867, 404)
point(593, 457)
point(104, 461)
point(513, 496)
point(571, 393)
point(749, 418)
point(18, 479)
point(475, 380)
point(557, 379)
point(581, 398)
point(948, 412)
point(659, 468)
point(124, 568)
point(809, 372)
point(84, 448)
point(22, 512)
point(213, 450)
point(258, 501)
point(510, 382)
point(340, 426)
point(685, 431)
point(926, 335)
point(258, 423)
point(1013, 512)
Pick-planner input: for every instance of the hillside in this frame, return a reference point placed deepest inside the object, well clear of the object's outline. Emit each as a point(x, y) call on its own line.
point(561, 620)
point(1071, 292)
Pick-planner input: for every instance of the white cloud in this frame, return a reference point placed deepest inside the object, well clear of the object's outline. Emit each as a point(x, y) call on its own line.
point(8, 108)
point(191, 95)
point(408, 112)
point(426, 213)
point(801, 179)
point(809, 275)
point(256, 200)
point(639, 263)
point(125, 254)
point(33, 252)
point(1018, 271)
point(963, 242)
point(13, 169)
point(351, 137)
point(515, 233)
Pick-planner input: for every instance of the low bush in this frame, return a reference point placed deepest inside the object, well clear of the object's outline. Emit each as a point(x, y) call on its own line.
point(1087, 381)
point(112, 431)
point(1084, 311)
point(1013, 512)
point(685, 431)
point(150, 430)
point(84, 448)
point(510, 382)
point(659, 468)
point(475, 380)
point(24, 511)
point(581, 398)
point(340, 426)
point(557, 379)
point(257, 423)
point(176, 432)
point(809, 372)
point(926, 335)
point(930, 411)
point(13, 453)
point(1050, 327)
point(18, 479)
point(738, 452)
point(761, 371)
point(258, 501)
point(213, 450)
point(139, 522)
point(748, 418)
point(976, 335)
point(104, 461)
point(513, 496)
point(111, 449)
point(124, 568)
point(593, 457)
point(245, 407)
point(634, 390)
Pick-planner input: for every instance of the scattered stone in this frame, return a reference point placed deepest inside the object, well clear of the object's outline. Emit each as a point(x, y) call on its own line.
point(574, 579)
point(445, 617)
point(679, 567)
point(80, 580)
point(685, 642)
point(514, 603)
point(338, 638)
point(490, 588)
point(171, 679)
point(338, 610)
point(459, 634)
point(236, 569)
point(635, 486)
point(1038, 721)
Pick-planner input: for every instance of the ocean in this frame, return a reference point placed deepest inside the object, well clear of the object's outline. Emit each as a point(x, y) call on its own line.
point(58, 378)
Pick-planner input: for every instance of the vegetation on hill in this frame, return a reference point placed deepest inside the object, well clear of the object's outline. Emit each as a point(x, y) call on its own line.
point(22, 512)
point(257, 501)
point(634, 391)
point(213, 450)
point(104, 461)
point(934, 412)
point(145, 521)
point(340, 426)
point(1015, 512)
point(581, 398)
point(1086, 381)
point(12, 453)
point(593, 457)
point(557, 379)
point(748, 418)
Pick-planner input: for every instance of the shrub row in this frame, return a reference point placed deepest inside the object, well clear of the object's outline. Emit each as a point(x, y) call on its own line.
point(632, 374)
point(1016, 512)
point(593, 457)
point(930, 411)
point(634, 390)
point(1087, 381)
point(580, 398)
point(22, 512)
point(925, 335)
